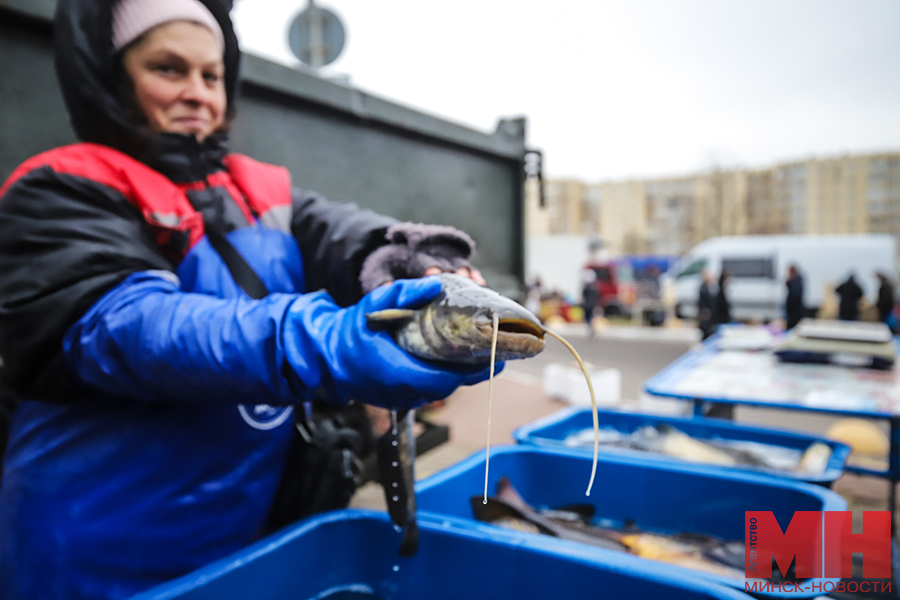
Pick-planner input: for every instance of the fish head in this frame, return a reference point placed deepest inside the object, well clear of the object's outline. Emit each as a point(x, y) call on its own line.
point(463, 317)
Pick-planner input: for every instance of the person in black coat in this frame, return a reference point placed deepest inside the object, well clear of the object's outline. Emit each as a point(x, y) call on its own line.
point(706, 306)
point(723, 306)
point(886, 299)
point(793, 305)
point(850, 294)
point(589, 299)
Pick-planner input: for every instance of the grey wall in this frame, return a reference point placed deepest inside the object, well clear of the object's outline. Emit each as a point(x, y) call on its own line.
point(346, 144)
point(32, 114)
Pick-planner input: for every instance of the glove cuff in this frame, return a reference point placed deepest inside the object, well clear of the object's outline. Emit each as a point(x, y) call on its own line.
point(412, 248)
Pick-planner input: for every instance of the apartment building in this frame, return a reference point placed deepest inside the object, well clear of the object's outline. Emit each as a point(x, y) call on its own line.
point(883, 194)
point(537, 214)
point(623, 217)
point(672, 224)
point(845, 194)
point(565, 199)
point(765, 213)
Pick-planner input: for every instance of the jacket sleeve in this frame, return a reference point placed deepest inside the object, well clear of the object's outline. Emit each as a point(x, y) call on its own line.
point(64, 242)
point(335, 239)
point(89, 304)
point(148, 340)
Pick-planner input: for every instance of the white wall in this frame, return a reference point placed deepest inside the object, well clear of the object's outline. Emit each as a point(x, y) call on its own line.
point(558, 260)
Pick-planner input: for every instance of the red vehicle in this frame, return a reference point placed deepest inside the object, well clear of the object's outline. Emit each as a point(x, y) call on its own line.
point(621, 281)
point(613, 284)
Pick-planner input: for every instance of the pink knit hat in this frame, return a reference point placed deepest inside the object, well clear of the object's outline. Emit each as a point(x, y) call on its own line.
point(132, 18)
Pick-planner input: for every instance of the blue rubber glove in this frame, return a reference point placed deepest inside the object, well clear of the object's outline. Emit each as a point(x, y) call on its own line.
point(332, 351)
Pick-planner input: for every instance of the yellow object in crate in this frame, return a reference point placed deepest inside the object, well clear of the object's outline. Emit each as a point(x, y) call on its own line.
point(863, 436)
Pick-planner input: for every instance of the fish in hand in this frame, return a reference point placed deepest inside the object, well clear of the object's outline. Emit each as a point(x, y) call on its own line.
point(466, 325)
point(456, 327)
point(396, 452)
point(470, 325)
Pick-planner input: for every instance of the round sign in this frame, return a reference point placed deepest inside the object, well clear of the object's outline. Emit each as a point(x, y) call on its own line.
point(316, 36)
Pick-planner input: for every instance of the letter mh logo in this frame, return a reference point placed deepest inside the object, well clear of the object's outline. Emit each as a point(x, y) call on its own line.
point(823, 544)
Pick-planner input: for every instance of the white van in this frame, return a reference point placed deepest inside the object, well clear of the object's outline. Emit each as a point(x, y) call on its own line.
point(758, 266)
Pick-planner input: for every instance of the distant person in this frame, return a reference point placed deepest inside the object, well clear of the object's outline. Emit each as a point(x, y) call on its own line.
point(793, 304)
point(706, 306)
point(589, 298)
point(886, 300)
point(723, 306)
point(850, 294)
point(722, 314)
point(533, 300)
point(651, 285)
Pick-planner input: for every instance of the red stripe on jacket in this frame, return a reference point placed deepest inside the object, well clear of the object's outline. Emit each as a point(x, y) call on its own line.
point(163, 203)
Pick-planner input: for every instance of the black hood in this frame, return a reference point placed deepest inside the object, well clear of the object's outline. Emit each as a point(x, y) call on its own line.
point(88, 74)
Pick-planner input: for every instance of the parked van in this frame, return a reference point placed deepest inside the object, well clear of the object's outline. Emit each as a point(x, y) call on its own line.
point(758, 267)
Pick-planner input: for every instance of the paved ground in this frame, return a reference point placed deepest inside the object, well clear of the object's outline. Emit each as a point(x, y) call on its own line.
point(638, 353)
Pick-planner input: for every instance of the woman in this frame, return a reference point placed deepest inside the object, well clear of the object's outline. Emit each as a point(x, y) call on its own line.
point(153, 320)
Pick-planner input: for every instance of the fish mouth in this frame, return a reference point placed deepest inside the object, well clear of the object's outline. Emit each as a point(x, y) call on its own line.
point(515, 328)
point(520, 326)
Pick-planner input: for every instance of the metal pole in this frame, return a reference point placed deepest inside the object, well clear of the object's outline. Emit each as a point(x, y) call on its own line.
point(316, 42)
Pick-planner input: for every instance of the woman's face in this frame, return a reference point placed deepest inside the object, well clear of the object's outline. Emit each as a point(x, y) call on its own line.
point(178, 76)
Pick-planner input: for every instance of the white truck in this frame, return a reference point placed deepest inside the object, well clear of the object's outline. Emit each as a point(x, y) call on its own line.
point(758, 267)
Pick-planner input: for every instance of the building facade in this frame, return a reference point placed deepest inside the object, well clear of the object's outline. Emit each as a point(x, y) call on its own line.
point(883, 194)
point(667, 216)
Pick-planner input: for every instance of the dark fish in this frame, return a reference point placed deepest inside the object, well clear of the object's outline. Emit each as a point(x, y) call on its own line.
point(508, 503)
point(691, 550)
point(396, 452)
point(457, 325)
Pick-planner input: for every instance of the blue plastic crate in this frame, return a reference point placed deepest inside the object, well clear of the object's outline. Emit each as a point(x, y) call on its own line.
point(655, 496)
point(356, 552)
point(552, 431)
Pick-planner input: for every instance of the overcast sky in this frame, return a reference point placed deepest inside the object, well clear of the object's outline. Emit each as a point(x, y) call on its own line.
point(615, 89)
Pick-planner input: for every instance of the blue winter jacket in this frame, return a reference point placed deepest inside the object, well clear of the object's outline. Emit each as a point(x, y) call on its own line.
point(151, 438)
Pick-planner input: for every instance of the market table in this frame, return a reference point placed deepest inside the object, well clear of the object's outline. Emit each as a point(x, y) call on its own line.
point(713, 374)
